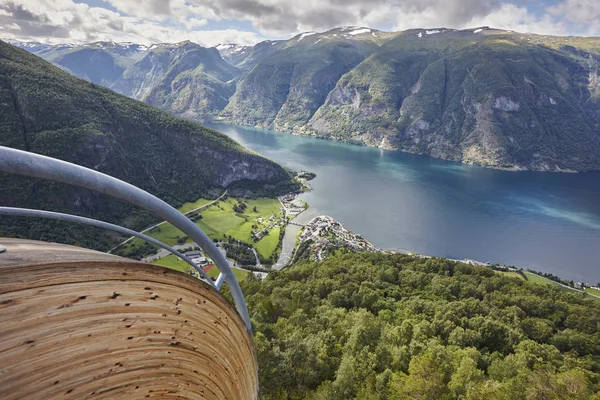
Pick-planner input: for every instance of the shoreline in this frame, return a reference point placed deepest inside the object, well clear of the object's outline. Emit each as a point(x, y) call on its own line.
point(496, 267)
point(514, 168)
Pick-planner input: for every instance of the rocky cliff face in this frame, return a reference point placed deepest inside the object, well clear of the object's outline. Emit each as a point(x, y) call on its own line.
point(195, 83)
point(285, 89)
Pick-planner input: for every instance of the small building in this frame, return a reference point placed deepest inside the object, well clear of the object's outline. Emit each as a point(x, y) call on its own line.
point(258, 235)
point(193, 254)
point(200, 261)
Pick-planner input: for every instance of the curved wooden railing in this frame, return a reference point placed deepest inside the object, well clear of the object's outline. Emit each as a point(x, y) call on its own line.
point(77, 324)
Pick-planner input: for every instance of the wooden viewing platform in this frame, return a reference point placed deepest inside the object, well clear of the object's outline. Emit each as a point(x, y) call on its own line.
point(78, 324)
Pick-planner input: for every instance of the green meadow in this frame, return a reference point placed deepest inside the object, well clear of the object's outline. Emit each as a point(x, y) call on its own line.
point(172, 262)
point(220, 221)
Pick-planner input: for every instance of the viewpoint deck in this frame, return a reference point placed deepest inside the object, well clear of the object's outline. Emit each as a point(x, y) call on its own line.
point(76, 323)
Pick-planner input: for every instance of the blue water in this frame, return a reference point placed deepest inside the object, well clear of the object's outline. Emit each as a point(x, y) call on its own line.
point(545, 221)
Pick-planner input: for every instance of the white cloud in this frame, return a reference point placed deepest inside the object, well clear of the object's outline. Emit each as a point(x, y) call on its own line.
point(151, 21)
point(583, 14)
point(283, 17)
point(150, 9)
point(193, 23)
point(519, 19)
point(59, 21)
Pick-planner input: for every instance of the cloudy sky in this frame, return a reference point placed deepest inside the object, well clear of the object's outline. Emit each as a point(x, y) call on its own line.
point(210, 22)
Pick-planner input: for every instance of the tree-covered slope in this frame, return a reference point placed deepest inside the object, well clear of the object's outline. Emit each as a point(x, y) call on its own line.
point(387, 327)
point(285, 88)
point(197, 83)
point(48, 111)
point(485, 97)
point(183, 78)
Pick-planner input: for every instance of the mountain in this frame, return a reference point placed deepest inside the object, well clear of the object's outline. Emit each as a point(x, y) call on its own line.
point(285, 88)
point(32, 47)
point(483, 96)
point(47, 111)
point(246, 57)
point(99, 62)
point(186, 79)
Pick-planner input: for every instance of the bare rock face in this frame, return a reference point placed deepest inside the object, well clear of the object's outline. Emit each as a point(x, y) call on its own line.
point(505, 104)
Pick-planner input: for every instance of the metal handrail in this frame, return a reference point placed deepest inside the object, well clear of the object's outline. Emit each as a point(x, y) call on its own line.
point(20, 162)
point(26, 212)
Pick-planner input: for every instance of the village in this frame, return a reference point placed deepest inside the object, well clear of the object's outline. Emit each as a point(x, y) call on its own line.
point(291, 206)
point(326, 234)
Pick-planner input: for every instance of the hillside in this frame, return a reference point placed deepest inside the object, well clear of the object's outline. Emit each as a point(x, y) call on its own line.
point(483, 96)
point(285, 88)
point(376, 326)
point(195, 84)
point(48, 111)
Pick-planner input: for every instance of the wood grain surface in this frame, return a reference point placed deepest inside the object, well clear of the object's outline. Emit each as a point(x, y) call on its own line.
point(78, 324)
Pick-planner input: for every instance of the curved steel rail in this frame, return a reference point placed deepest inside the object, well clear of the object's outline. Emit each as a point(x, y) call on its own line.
point(37, 166)
point(26, 212)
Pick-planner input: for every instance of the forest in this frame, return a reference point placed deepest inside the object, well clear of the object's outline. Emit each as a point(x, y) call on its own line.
point(392, 326)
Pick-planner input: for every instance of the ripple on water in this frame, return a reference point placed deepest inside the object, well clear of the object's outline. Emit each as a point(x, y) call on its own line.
point(542, 207)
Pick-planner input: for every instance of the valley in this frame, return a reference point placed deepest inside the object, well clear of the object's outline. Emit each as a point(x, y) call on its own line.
point(482, 96)
point(50, 112)
point(258, 224)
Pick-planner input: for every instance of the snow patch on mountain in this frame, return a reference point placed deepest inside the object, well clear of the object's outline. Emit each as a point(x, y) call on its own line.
point(222, 47)
point(359, 31)
point(305, 34)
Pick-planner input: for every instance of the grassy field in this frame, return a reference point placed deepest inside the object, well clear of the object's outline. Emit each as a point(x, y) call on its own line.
point(190, 206)
point(220, 221)
point(171, 262)
point(593, 291)
point(538, 279)
point(511, 274)
point(544, 281)
point(267, 244)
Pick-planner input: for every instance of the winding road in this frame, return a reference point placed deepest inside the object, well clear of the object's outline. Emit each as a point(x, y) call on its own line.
point(160, 223)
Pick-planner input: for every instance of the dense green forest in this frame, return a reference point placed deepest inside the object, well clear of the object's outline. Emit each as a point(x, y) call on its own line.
point(382, 327)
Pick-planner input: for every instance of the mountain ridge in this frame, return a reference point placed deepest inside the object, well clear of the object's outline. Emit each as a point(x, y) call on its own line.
point(482, 96)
